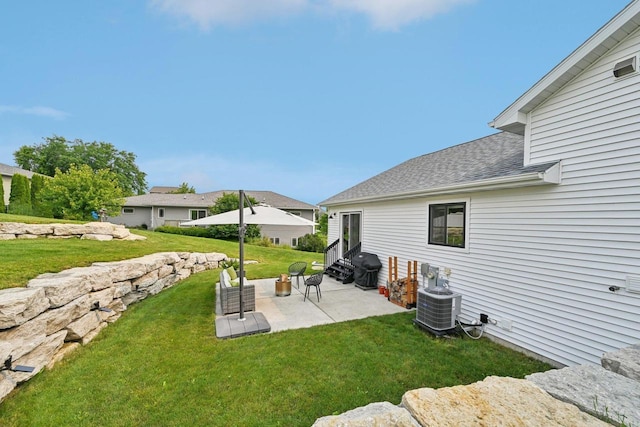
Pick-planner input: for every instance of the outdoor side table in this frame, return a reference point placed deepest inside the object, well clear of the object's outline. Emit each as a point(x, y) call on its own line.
point(283, 288)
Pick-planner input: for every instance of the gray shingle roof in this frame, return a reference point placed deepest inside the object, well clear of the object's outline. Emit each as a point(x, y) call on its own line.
point(208, 199)
point(494, 156)
point(7, 170)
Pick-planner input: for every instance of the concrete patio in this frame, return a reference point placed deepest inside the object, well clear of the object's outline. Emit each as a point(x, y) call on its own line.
point(338, 303)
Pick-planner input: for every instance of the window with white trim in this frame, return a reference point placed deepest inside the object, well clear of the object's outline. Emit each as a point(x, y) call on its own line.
point(447, 224)
point(294, 242)
point(275, 240)
point(128, 211)
point(161, 212)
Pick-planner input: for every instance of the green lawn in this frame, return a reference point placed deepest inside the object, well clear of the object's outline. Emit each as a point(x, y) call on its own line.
point(161, 365)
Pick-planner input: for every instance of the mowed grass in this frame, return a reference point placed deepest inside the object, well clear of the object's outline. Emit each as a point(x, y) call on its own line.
point(161, 365)
point(24, 259)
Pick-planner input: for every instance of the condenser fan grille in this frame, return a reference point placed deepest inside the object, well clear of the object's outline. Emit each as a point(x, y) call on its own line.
point(437, 312)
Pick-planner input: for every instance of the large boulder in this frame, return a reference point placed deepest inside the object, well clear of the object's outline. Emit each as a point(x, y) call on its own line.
point(595, 390)
point(374, 414)
point(24, 338)
point(62, 288)
point(625, 361)
point(17, 305)
point(495, 401)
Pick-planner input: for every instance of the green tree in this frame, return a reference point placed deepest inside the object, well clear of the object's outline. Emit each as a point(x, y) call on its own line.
point(4, 207)
point(20, 196)
point(311, 243)
point(323, 224)
point(37, 184)
point(184, 189)
point(225, 203)
point(81, 190)
point(56, 153)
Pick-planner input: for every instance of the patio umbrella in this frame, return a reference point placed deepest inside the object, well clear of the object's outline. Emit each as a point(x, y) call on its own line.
point(259, 215)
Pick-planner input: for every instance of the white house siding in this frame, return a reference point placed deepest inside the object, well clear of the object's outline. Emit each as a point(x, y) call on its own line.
point(532, 261)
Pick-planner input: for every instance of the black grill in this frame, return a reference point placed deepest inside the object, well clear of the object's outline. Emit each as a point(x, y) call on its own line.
point(366, 270)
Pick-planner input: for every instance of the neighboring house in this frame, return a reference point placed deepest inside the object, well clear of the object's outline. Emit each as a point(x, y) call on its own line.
point(163, 190)
point(540, 223)
point(155, 210)
point(7, 173)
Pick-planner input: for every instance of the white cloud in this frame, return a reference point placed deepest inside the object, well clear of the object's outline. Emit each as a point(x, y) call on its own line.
point(207, 13)
point(384, 14)
point(392, 14)
point(35, 111)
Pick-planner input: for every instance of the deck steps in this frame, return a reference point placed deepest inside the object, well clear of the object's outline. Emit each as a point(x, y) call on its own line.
point(341, 270)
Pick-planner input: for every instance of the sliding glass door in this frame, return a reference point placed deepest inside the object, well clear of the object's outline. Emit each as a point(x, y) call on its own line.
point(351, 227)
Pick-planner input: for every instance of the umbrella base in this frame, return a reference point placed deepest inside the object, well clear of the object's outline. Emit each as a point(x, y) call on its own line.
point(231, 327)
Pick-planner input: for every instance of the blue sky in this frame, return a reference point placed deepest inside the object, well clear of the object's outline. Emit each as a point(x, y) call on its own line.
point(302, 97)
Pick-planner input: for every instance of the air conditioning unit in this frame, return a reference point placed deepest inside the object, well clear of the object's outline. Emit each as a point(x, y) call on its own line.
point(437, 308)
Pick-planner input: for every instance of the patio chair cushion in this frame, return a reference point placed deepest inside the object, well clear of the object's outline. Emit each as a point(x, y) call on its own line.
point(232, 272)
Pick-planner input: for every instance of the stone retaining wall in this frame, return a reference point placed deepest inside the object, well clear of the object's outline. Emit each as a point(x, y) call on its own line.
point(91, 231)
point(57, 312)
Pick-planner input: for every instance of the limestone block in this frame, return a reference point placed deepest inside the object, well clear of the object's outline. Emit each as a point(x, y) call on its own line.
point(200, 258)
point(156, 288)
point(146, 280)
point(135, 237)
point(122, 288)
point(99, 237)
point(67, 236)
point(625, 361)
point(7, 384)
point(102, 298)
point(374, 414)
point(183, 273)
point(121, 271)
point(5, 351)
point(120, 232)
point(184, 255)
point(66, 349)
point(595, 390)
point(495, 401)
point(39, 357)
point(179, 265)
point(98, 277)
point(62, 288)
point(165, 270)
point(7, 236)
point(117, 305)
point(17, 305)
point(59, 318)
point(24, 338)
point(81, 327)
point(215, 257)
point(70, 229)
point(27, 236)
point(38, 229)
point(133, 297)
point(12, 228)
point(93, 333)
point(198, 268)
point(190, 262)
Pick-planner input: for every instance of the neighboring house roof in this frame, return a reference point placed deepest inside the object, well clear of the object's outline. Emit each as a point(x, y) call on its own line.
point(205, 200)
point(163, 190)
point(514, 117)
point(492, 161)
point(7, 170)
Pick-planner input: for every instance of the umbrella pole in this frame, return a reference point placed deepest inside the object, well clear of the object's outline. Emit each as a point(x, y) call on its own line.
point(241, 230)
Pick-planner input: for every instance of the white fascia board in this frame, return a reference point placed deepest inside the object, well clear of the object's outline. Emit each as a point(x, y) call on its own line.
point(548, 177)
point(586, 54)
